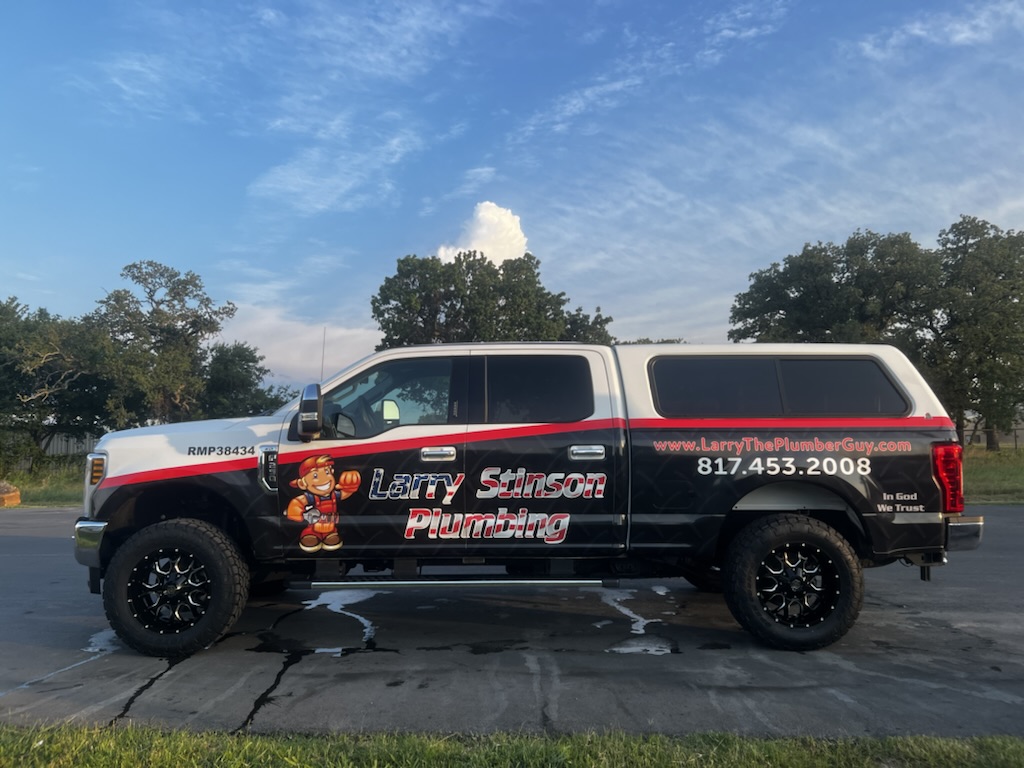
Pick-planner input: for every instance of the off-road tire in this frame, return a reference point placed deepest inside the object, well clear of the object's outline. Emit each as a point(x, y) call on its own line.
point(175, 587)
point(793, 582)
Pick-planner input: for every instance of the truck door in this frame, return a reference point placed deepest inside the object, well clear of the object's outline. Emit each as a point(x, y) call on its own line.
point(391, 451)
point(544, 456)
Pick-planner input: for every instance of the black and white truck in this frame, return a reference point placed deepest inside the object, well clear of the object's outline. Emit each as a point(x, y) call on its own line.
point(774, 473)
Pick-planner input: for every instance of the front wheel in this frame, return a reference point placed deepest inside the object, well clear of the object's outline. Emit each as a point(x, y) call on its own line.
point(793, 582)
point(175, 587)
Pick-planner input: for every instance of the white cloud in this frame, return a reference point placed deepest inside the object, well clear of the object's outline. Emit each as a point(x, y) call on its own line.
point(472, 181)
point(979, 24)
point(296, 350)
point(742, 22)
point(149, 84)
point(325, 178)
point(561, 115)
point(493, 231)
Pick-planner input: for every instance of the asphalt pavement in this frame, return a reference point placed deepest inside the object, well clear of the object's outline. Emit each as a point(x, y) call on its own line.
point(943, 658)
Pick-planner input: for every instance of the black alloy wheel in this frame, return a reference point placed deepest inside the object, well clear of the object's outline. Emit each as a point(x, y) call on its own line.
point(175, 587)
point(793, 582)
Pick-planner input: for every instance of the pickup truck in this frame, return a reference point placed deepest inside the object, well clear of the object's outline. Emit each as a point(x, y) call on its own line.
point(772, 473)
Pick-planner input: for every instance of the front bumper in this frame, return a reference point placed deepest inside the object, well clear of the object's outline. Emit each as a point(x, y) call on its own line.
point(963, 533)
point(88, 540)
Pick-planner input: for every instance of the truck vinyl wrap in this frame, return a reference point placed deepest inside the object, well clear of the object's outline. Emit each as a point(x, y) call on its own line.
point(547, 459)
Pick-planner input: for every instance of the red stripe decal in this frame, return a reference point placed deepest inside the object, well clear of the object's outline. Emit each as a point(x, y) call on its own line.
point(913, 422)
point(499, 433)
point(174, 473)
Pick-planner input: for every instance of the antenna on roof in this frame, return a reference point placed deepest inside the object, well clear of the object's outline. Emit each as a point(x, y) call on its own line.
point(323, 354)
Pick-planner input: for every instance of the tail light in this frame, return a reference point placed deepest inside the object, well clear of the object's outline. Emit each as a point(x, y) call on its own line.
point(948, 464)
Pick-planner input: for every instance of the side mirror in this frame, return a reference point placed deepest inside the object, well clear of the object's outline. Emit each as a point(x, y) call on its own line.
point(311, 408)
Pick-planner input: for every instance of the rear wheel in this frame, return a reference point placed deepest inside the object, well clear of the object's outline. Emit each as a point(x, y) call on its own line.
point(175, 587)
point(793, 582)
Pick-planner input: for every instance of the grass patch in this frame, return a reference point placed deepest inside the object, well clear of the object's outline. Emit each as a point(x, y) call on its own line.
point(56, 485)
point(993, 476)
point(133, 746)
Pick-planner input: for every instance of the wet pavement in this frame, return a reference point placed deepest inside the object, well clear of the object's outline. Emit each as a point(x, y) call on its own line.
point(945, 657)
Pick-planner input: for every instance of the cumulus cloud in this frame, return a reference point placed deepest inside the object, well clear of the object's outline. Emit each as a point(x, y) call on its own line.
point(493, 231)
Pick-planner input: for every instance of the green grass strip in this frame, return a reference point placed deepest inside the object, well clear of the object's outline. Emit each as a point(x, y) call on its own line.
point(131, 747)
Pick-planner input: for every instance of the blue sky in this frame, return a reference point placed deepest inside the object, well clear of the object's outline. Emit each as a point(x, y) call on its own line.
point(650, 154)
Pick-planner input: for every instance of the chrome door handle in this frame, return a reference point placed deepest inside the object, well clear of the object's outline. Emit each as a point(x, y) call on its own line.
point(439, 453)
point(586, 452)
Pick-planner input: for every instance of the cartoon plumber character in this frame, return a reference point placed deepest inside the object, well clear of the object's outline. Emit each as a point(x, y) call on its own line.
point(317, 505)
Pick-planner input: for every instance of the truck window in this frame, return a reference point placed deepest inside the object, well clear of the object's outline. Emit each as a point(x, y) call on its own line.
point(398, 393)
point(728, 387)
point(523, 389)
point(715, 386)
point(839, 387)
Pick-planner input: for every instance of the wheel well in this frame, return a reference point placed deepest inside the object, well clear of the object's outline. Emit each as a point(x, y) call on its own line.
point(823, 504)
point(170, 501)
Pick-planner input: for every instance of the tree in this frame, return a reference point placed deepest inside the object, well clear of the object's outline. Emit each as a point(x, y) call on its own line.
point(63, 390)
point(429, 301)
point(974, 348)
point(956, 311)
point(50, 380)
point(13, 325)
point(866, 290)
point(15, 443)
point(135, 360)
point(233, 376)
point(158, 358)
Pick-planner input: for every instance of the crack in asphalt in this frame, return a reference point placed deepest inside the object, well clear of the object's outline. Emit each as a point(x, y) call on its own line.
point(171, 664)
point(270, 642)
point(290, 660)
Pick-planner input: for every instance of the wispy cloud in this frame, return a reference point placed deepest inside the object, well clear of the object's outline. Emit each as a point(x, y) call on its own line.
point(472, 181)
point(641, 59)
point(330, 177)
point(977, 24)
point(741, 23)
point(309, 60)
point(568, 108)
point(143, 84)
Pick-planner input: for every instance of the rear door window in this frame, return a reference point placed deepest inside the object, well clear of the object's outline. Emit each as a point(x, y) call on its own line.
point(525, 389)
point(839, 387)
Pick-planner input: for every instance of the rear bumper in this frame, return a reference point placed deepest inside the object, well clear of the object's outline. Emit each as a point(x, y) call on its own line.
point(88, 540)
point(963, 533)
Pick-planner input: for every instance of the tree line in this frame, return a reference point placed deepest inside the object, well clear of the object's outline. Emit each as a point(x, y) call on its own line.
point(147, 355)
point(143, 356)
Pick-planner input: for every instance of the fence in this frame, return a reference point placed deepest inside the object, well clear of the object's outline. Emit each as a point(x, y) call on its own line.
point(67, 445)
point(17, 451)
